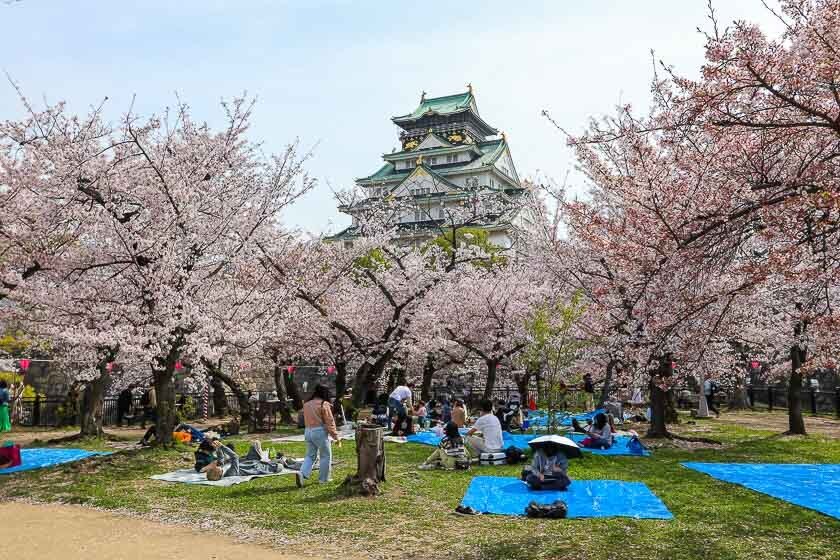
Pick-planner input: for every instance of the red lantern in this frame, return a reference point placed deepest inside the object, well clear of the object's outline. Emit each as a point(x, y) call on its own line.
point(330, 370)
point(179, 366)
point(290, 369)
point(673, 365)
point(24, 364)
point(755, 364)
point(109, 366)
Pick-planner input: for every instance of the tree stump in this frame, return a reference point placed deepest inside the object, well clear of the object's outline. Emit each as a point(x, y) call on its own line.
point(370, 456)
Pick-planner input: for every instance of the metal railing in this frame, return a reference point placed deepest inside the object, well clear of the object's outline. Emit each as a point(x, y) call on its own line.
point(815, 401)
point(50, 412)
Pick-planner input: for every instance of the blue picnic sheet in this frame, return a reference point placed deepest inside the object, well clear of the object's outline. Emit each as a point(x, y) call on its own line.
point(584, 498)
point(540, 417)
point(814, 487)
point(619, 447)
point(41, 457)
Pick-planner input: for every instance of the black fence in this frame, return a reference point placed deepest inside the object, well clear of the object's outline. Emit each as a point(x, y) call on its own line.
point(52, 412)
point(814, 401)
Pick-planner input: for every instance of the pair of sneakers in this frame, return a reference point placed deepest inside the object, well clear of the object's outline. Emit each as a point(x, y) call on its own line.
point(299, 479)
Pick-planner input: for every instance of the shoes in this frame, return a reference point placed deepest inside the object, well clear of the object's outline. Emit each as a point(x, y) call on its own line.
point(299, 479)
point(425, 467)
point(461, 510)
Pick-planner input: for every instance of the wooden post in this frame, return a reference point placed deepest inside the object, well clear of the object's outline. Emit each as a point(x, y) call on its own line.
point(370, 454)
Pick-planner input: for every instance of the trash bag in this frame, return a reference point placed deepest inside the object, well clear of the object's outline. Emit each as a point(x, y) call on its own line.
point(555, 510)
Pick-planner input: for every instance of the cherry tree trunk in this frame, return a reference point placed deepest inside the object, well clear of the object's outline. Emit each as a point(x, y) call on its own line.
point(167, 419)
point(739, 400)
point(522, 383)
point(370, 466)
point(292, 390)
point(360, 385)
point(796, 424)
point(671, 414)
point(605, 391)
point(282, 395)
point(492, 366)
point(392, 381)
point(92, 407)
point(428, 376)
point(241, 396)
point(340, 380)
point(658, 427)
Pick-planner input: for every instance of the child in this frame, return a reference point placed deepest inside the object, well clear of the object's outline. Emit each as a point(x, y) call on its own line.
point(420, 413)
point(451, 453)
point(548, 470)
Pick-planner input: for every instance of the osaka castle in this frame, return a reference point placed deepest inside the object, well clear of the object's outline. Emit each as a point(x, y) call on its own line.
point(448, 154)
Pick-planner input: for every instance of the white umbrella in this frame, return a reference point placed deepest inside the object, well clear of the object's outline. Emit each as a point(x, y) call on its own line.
point(556, 443)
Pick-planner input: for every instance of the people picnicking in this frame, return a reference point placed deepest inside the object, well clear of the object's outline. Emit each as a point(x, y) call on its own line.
point(450, 453)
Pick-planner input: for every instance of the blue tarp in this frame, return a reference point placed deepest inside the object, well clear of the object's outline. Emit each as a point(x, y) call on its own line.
point(521, 441)
point(584, 498)
point(40, 457)
point(814, 487)
point(540, 418)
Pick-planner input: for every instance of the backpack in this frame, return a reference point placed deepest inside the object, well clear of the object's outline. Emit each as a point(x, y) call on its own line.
point(636, 446)
point(556, 510)
point(514, 455)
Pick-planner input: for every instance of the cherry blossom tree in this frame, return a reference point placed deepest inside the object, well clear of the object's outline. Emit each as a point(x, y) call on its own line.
point(177, 211)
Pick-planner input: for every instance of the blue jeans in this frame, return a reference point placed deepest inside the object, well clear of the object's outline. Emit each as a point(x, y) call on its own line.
point(395, 408)
point(317, 441)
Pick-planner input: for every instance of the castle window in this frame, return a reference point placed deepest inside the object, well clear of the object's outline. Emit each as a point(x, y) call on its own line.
point(432, 160)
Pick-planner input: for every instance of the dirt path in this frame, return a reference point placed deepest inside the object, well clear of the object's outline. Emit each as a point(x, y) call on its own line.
point(778, 421)
point(33, 532)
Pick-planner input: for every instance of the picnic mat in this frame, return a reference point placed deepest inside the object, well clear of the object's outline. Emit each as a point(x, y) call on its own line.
point(584, 498)
point(814, 487)
point(189, 476)
point(42, 457)
point(540, 417)
point(619, 447)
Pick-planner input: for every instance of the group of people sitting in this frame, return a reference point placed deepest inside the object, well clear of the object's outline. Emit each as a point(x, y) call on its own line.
point(456, 450)
point(404, 418)
point(218, 461)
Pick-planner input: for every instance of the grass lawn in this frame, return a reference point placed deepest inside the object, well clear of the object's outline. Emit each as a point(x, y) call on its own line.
point(412, 518)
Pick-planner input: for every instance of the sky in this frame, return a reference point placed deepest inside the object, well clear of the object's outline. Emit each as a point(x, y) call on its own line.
point(333, 73)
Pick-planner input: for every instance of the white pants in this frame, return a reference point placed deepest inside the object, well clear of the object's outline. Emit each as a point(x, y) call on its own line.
point(476, 446)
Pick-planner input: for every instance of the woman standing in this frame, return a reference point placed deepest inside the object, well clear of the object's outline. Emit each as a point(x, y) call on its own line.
point(5, 421)
point(320, 427)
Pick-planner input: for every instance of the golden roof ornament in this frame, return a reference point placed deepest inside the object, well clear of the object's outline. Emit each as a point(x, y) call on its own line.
point(423, 97)
point(420, 159)
point(469, 87)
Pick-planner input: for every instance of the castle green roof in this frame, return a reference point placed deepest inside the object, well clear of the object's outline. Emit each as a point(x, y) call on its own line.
point(445, 105)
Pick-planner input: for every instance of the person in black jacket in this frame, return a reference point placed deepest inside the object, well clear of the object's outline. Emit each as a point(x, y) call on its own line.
point(124, 404)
